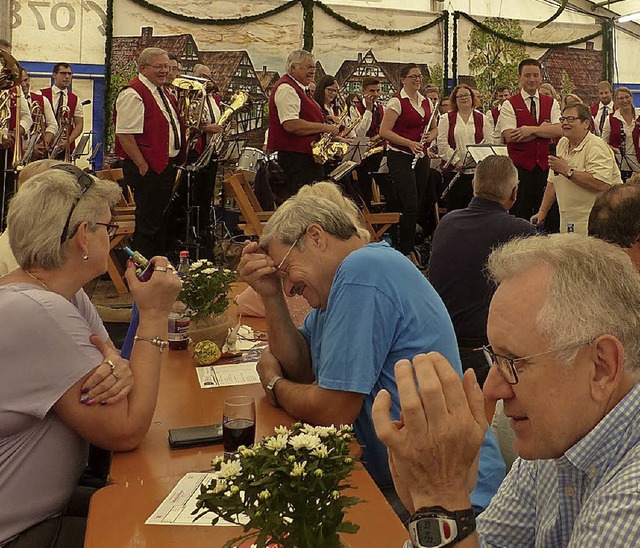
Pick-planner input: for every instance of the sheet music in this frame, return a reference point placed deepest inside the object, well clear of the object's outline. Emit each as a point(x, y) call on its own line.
point(232, 374)
point(176, 509)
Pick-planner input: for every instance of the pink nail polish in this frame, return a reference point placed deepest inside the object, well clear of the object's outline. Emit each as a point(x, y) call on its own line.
point(84, 391)
point(91, 402)
point(84, 399)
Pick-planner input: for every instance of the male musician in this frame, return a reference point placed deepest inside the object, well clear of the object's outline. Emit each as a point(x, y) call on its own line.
point(175, 70)
point(149, 139)
point(527, 122)
point(61, 98)
point(371, 111)
point(50, 123)
point(603, 108)
point(502, 94)
point(296, 122)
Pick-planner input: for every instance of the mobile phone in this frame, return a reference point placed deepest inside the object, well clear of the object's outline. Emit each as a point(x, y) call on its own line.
point(195, 436)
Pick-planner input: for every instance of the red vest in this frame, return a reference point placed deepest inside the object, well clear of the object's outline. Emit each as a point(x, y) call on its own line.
point(153, 142)
point(13, 99)
point(410, 124)
point(72, 102)
point(495, 112)
point(536, 152)
point(478, 136)
point(615, 138)
point(39, 98)
point(279, 138)
point(376, 117)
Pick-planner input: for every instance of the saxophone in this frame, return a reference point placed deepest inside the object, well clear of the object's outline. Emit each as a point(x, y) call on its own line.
point(326, 149)
point(60, 141)
point(37, 132)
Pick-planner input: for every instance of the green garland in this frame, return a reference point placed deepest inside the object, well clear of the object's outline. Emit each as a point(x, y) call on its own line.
point(445, 53)
point(508, 38)
point(213, 21)
point(108, 46)
point(307, 32)
point(607, 51)
point(454, 60)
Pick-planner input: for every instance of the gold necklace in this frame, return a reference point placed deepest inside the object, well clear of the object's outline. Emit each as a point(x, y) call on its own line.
point(38, 280)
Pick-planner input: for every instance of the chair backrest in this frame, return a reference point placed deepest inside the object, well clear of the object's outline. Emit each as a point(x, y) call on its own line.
point(117, 176)
point(235, 187)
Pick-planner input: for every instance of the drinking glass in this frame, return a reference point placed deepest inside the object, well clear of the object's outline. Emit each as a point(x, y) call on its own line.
point(238, 422)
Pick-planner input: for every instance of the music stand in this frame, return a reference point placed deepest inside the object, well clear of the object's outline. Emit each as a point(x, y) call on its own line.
point(475, 154)
point(356, 150)
point(233, 150)
point(81, 147)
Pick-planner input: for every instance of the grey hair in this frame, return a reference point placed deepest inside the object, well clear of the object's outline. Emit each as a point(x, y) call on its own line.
point(198, 69)
point(495, 178)
point(593, 290)
point(147, 54)
point(38, 212)
point(291, 220)
point(296, 57)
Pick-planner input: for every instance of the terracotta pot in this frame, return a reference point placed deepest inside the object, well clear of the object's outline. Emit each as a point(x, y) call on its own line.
point(212, 328)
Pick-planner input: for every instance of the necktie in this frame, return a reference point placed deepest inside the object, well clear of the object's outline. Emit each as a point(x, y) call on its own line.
point(533, 110)
point(307, 92)
point(60, 104)
point(602, 119)
point(174, 127)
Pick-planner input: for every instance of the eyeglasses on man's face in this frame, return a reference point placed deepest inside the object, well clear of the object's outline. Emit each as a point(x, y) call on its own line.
point(286, 255)
point(507, 366)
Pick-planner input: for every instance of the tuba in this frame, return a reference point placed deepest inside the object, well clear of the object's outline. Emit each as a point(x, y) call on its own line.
point(60, 141)
point(9, 79)
point(37, 132)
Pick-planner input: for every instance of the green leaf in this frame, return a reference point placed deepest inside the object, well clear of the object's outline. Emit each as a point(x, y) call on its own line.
point(347, 527)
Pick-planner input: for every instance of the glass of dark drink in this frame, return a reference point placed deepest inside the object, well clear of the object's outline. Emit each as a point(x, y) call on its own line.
point(238, 422)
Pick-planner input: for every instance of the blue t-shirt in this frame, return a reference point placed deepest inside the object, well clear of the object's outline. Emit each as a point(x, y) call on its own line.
point(382, 309)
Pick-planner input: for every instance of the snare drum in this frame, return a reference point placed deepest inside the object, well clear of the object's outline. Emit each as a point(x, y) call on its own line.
point(248, 162)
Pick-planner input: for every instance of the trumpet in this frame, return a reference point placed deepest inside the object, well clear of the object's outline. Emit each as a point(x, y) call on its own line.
point(326, 149)
point(60, 141)
point(9, 79)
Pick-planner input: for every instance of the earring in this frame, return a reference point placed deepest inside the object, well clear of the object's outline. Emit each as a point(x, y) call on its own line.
point(85, 258)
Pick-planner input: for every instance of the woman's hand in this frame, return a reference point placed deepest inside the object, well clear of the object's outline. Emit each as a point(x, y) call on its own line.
point(415, 147)
point(111, 381)
point(158, 294)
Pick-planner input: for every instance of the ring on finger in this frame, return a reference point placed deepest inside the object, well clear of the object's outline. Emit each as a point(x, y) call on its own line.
point(112, 367)
point(160, 268)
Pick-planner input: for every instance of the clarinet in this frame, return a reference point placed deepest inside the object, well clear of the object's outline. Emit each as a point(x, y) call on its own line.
point(423, 137)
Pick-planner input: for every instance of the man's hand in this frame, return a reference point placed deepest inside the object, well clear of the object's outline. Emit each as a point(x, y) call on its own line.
point(211, 128)
point(330, 128)
point(434, 448)
point(368, 102)
point(259, 271)
point(522, 133)
point(558, 165)
point(143, 167)
point(268, 367)
point(107, 385)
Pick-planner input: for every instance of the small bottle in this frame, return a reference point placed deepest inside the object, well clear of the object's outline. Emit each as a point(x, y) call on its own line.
point(185, 264)
point(570, 228)
point(144, 269)
point(179, 323)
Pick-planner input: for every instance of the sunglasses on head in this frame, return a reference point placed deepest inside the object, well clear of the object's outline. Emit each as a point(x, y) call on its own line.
point(85, 181)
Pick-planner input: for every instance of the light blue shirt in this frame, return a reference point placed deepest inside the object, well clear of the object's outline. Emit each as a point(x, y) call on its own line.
point(382, 309)
point(589, 497)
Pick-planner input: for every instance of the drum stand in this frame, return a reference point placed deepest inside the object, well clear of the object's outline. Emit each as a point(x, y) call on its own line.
point(192, 215)
point(9, 180)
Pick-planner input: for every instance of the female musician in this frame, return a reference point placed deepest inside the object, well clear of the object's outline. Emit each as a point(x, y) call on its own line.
point(621, 132)
point(326, 95)
point(547, 89)
point(403, 124)
point(463, 125)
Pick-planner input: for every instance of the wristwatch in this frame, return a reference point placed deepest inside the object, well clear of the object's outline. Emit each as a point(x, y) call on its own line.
point(436, 527)
point(570, 172)
point(271, 395)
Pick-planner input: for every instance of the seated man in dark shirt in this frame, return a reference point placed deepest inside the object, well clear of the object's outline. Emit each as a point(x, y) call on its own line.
point(461, 245)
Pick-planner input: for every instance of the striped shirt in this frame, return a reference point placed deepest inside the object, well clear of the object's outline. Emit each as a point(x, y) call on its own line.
point(588, 497)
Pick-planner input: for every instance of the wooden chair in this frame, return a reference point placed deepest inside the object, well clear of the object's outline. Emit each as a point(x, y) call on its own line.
point(237, 187)
point(123, 214)
point(378, 223)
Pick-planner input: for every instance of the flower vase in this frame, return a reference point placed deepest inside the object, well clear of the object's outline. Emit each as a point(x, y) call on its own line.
point(211, 328)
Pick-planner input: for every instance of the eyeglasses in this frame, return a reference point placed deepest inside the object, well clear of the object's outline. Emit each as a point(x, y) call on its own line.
point(112, 228)
point(160, 67)
point(466, 96)
point(507, 366)
point(65, 73)
point(85, 181)
point(330, 90)
point(415, 77)
point(288, 253)
point(569, 119)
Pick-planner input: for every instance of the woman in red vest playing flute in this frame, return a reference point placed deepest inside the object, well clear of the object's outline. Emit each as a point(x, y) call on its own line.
point(405, 119)
point(462, 126)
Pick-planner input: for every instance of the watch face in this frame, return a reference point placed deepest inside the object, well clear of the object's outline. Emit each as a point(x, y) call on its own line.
point(432, 532)
point(428, 532)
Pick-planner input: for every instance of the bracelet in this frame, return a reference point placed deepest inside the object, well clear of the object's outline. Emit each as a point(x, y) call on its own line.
point(155, 341)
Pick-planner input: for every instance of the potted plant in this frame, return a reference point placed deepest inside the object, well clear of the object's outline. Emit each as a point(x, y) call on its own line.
point(204, 293)
point(288, 486)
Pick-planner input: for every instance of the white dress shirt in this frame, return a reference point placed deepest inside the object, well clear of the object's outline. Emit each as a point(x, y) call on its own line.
point(630, 161)
point(463, 134)
point(51, 124)
point(507, 118)
point(130, 109)
point(287, 101)
point(365, 122)
point(597, 119)
point(395, 105)
point(55, 95)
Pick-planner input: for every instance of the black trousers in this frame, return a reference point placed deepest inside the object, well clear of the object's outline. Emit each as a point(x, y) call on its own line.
point(530, 192)
point(8, 183)
point(461, 193)
point(152, 194)
point(369, 165)
point(299, 169)
point(414, 194)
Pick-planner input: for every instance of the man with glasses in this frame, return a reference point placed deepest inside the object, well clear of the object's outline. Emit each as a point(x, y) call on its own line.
point(372, 307)
point(296, 121)
point(564, 329)
point(65, 104)
point(584, 167)
point(149, 137)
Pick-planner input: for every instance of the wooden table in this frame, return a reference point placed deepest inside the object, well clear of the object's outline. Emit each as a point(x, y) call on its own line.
point(141, 479)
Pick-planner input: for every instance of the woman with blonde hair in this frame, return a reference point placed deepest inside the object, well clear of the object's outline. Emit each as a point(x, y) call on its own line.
point(60, 224)
point(621, 131)
point(547, 89)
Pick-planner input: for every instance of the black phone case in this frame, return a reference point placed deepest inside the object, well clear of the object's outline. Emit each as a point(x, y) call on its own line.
point(195, 436)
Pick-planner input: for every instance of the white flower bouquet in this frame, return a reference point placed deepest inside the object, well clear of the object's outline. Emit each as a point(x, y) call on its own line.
point(289, 486)
point(206, 288)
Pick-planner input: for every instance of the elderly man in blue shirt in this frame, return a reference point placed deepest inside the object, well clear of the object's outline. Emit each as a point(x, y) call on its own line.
point(564, 329)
